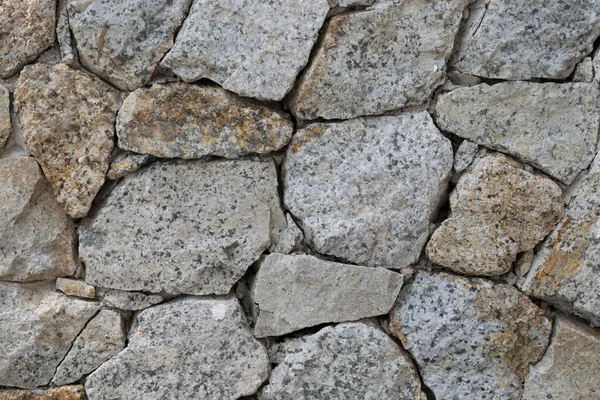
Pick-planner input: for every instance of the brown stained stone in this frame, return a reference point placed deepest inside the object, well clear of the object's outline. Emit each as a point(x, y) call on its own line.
point(128, 164)
point(72, 287)
point(73, 392)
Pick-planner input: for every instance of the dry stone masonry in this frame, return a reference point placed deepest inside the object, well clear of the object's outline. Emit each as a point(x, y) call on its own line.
point(303, 200)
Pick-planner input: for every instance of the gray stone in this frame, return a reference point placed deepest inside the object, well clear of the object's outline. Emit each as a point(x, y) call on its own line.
point(365, 190)
point(348, 361)
point(38, 327)
point(130, 301)
point(72, 287)
point(68, 52)
point(5, 126)
point(191, 348)
point(128, 164)
point(191, 121)
point(291, 239)
point(390, 56)
point(254, 48)
point(123, 41)
point(350, 3)
point(472, 339)
point(584, 72)
point(554, 127)
point(465, 155)
point(183, 227)
point(37, 238)
point(292, 292)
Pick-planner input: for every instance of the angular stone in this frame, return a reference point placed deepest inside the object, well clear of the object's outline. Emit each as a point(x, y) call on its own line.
point(252, 48)
point(471, 338)
point(72, 287)
point(551, 126)
point(570, 368)
point(365, 190)
point(126, 165)
point(191, 121)
point(26, 29)
point(584, 72)
point(68, 52)
point(497, 210)
point(465, 155)
point(183, 227)
point(130, 301)
point(5, 127)
point(67, 119)
point(123, 41)
point(520, 40)
point(392, 55)
point(292, 292)
point(291, 238)
point(37, 238)
point(39, 325)
point(74, 392)
point(191, 348)
point(350, 3)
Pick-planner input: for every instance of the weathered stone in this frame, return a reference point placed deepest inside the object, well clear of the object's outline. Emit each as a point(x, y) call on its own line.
point(67, 119)
point(192, 348)
point(37, 238)
point(253, 48)
point(183, 227)
point(123, 41)
point(377, 60)
point(551, 126)
point(26, 29)
point(131, 301)
point(465, 155)
point(5, 128)
point(472, 339)
point(584, 71)
point(75, 392)
point(365, 190)
point(350, 3)
point(291, 238)
point(520, 40)
point(130, 163)
point(570, 368)
point(292, 292)
point(39, 325)
point(68, 53)
point(72, 287)
point(191, 121)
point(497, 210)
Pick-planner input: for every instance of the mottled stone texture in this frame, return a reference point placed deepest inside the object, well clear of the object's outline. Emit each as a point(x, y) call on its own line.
point(126, 165)
point(72, 287)
point(131, 301)
point(5, 127)
point(74, 392)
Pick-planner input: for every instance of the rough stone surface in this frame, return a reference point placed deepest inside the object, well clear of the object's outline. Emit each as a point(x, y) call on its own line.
point(38, 327)
point(37, 238)
point(67, 120)
point(465, 155)
point(126, 165)
point(185, 227)
point(72, 287)
point(551, 126)
point(377, 60)
point(472, 339)
point(497, 210)
point(291, 238)
point(350, 3)
point(348, 361)
point(191, 121)
point(365, 190)
point(253, 48)
point(68, 52)
point(5, 127)
point(26, 29)
point(292, 292)
point(584, 72)
point(123, 41)
point(131, 301)
point(192, 348)
point(74, 392)
point(570, 368)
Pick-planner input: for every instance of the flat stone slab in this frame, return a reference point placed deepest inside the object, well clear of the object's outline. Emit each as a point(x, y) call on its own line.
point(131, 301)
point(72, 287)
point(73, 392)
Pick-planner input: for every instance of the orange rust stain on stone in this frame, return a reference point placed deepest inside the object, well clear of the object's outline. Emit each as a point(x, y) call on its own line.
point(310, 133)
point(73, 392)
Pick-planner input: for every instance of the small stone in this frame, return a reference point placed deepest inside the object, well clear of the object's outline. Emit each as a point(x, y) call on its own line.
point(465, 155)
point(584, 72)
point(252, 48)
point(292, 292)
point(74, 392)
point(190, 348)
point(472, 339)
point(191, 121)
point(348, 361)
point(497, 210)
point(365, 190)
point(5, 127)
point(523, 263)
point(290, 240)
point(130, 301)
point(570, 368)
point(26, 29)
point(126, 165)
point(39, 325)
point(390, 56)
point(67, 119)
point(72, 287)
point(66, 46)
point(554, 127)
point(350, 3)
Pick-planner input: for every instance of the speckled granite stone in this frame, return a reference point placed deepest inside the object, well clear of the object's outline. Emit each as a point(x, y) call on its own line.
point(128, 164)
point(72, 287)
point(350, 3)
point(74, 392)
point(465, 154)
point(131, 301)
point(290, 240)
point(584, 71)
point(5, 127)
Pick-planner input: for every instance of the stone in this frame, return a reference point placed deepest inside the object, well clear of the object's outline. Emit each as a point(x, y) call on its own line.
point(519, 40)
point(497, 210)
point(126, 165)
point(67, 119)
point(392, 55)
point(123, 41)
point(72, 287)
point(366, 190)
point(183, 227)
point(102, 338)
point(348, 361)
point(68, 51)
point(192, 121)
point(350, 3)
point(130, 301)
point(26, 29)
point(465, 155)
point(74, 392)
point(291, 239)
point(190, 348)
point(39, 325)
point(37, 238)
point(5, 126)
point(584, 71)
point(471, 338)
point(570, 368)
point(554, 127)
point(252, 48)
point(292, 292)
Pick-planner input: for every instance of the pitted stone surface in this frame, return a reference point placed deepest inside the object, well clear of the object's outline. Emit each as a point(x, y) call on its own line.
point(131, 301)
point(74, 392)
point(5, 127)
point(365, 190)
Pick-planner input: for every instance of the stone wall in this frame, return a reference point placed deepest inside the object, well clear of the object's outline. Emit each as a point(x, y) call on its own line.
point(311, 199)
